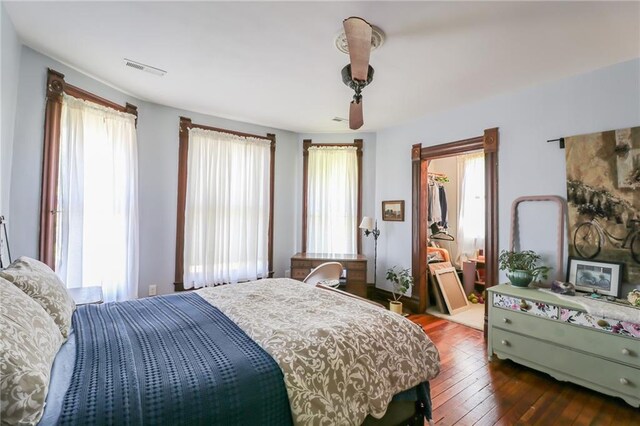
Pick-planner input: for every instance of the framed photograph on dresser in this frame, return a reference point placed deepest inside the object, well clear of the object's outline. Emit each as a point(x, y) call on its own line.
point(595, 277)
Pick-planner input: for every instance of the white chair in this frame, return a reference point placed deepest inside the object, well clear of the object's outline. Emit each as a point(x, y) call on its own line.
point(328, 273)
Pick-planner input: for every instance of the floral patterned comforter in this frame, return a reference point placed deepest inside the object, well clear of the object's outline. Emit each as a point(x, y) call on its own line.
point(342, 358)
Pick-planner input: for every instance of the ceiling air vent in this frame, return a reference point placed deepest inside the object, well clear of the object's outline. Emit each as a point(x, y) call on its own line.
point(143, 67)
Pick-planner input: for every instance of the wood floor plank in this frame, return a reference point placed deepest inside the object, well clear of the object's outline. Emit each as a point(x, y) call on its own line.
point(492, 402)
point(443, 395)
point(589, 411)
point(457, 375)
point(470, 390)
point(604, 417)
point(455, 409)
point(573, 408)
point(518, 389)
point(534, 388)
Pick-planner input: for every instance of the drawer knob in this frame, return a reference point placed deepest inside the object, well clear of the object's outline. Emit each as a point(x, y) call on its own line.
point(524, 305)
point(505, 342)
point(624, 381)
point(625, 351)
point(506, 320)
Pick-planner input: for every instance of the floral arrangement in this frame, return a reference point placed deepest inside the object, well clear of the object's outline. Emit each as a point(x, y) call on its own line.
point(634, 297)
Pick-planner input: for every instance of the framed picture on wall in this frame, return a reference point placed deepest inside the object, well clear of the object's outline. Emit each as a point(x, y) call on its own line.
point(393, 210)
point(595, 277)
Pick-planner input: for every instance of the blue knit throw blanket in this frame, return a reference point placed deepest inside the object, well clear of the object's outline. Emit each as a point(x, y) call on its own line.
point(170, 360)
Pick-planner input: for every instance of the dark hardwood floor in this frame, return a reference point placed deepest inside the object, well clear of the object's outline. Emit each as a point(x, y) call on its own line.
point(471, 390)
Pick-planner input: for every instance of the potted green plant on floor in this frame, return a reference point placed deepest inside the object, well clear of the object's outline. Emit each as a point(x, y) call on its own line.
point(521, 267)
point(402, 281)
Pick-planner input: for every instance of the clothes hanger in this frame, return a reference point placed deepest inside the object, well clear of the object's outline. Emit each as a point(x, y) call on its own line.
point(438, 233)
point(442, 235)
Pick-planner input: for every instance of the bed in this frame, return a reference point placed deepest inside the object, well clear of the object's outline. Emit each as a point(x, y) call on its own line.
point(270, 352)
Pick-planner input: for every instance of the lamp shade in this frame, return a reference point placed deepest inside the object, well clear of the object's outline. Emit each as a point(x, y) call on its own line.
point(367, 223)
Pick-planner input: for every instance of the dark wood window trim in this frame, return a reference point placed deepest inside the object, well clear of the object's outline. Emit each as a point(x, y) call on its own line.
point(420, 158)
point(56, 86)
point(185, 125)
point(306, 144)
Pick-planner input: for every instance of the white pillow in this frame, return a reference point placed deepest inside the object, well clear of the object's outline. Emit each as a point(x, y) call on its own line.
point(39, 282)
point(29, 341)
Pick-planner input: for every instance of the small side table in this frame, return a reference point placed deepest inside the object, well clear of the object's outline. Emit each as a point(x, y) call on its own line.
point(86, 295)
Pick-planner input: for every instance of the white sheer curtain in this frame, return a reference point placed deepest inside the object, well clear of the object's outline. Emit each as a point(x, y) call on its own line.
point(472, 205)
point(332, 200)
point(227, 209)
point(97, 223)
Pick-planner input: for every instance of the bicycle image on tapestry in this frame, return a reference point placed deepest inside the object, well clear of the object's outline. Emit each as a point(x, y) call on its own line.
point(603, 194)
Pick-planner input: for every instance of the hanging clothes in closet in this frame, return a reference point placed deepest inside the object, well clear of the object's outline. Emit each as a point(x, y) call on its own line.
point(437, 195)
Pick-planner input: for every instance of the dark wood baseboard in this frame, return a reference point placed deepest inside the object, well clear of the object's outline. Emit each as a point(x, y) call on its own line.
point(411, 304)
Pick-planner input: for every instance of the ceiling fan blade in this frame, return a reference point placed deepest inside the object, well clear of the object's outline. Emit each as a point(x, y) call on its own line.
point(358, 32)
point(356, 119)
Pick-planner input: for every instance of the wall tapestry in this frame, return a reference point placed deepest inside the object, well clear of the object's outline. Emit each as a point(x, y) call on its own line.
point(603, 194)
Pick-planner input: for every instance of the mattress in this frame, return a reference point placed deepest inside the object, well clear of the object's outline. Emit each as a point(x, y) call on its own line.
point(63, 367)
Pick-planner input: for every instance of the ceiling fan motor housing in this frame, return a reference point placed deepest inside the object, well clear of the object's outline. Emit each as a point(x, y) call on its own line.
point(356, 85)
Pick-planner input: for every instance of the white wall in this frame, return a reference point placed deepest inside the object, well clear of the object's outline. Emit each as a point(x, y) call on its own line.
point(158, 172)
point(604, 99)
point(10, 67)
point(369, 206)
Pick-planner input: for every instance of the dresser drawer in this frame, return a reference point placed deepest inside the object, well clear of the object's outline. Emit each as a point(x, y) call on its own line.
point(356, 266)
point(300, 264)
point(567, 364)
point(299, 274)
point(356, 276)
point(603, 324)
point(526, 306)
point(616, 348)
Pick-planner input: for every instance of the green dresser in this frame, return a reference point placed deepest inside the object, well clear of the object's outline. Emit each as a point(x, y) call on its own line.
point(544, 332)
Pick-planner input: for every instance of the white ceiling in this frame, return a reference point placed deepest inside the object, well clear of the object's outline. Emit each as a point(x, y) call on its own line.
point(274, 63)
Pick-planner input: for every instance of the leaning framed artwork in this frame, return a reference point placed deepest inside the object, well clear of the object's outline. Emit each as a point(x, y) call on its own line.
point(595, 277)
point(452, 290)
point(393, 210)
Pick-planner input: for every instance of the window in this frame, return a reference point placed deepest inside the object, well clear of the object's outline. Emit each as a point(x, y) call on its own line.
point(471, 221)
point(332, 200)
point(225, 206)
point(90, 183)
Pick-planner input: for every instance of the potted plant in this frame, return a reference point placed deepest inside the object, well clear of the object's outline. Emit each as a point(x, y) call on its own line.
point(402, 281)
point(521, 267)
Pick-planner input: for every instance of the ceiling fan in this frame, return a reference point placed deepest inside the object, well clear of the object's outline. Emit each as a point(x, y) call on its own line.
point(358, 74)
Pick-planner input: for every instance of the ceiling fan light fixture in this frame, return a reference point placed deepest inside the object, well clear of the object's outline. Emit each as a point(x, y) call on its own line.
point(358, 73)
point(377, 40)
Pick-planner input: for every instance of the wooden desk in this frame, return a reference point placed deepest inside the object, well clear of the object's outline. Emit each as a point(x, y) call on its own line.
point(86, 295)
point(355, 265)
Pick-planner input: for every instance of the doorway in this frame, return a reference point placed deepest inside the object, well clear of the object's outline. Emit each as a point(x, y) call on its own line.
point(421, 159)
point(455, 231)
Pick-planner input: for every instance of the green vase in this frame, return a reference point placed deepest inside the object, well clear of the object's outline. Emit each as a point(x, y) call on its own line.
point(520, 278)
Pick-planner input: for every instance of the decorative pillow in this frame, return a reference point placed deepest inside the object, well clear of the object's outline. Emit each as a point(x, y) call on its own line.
point(43, 285)
point(29, 341)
